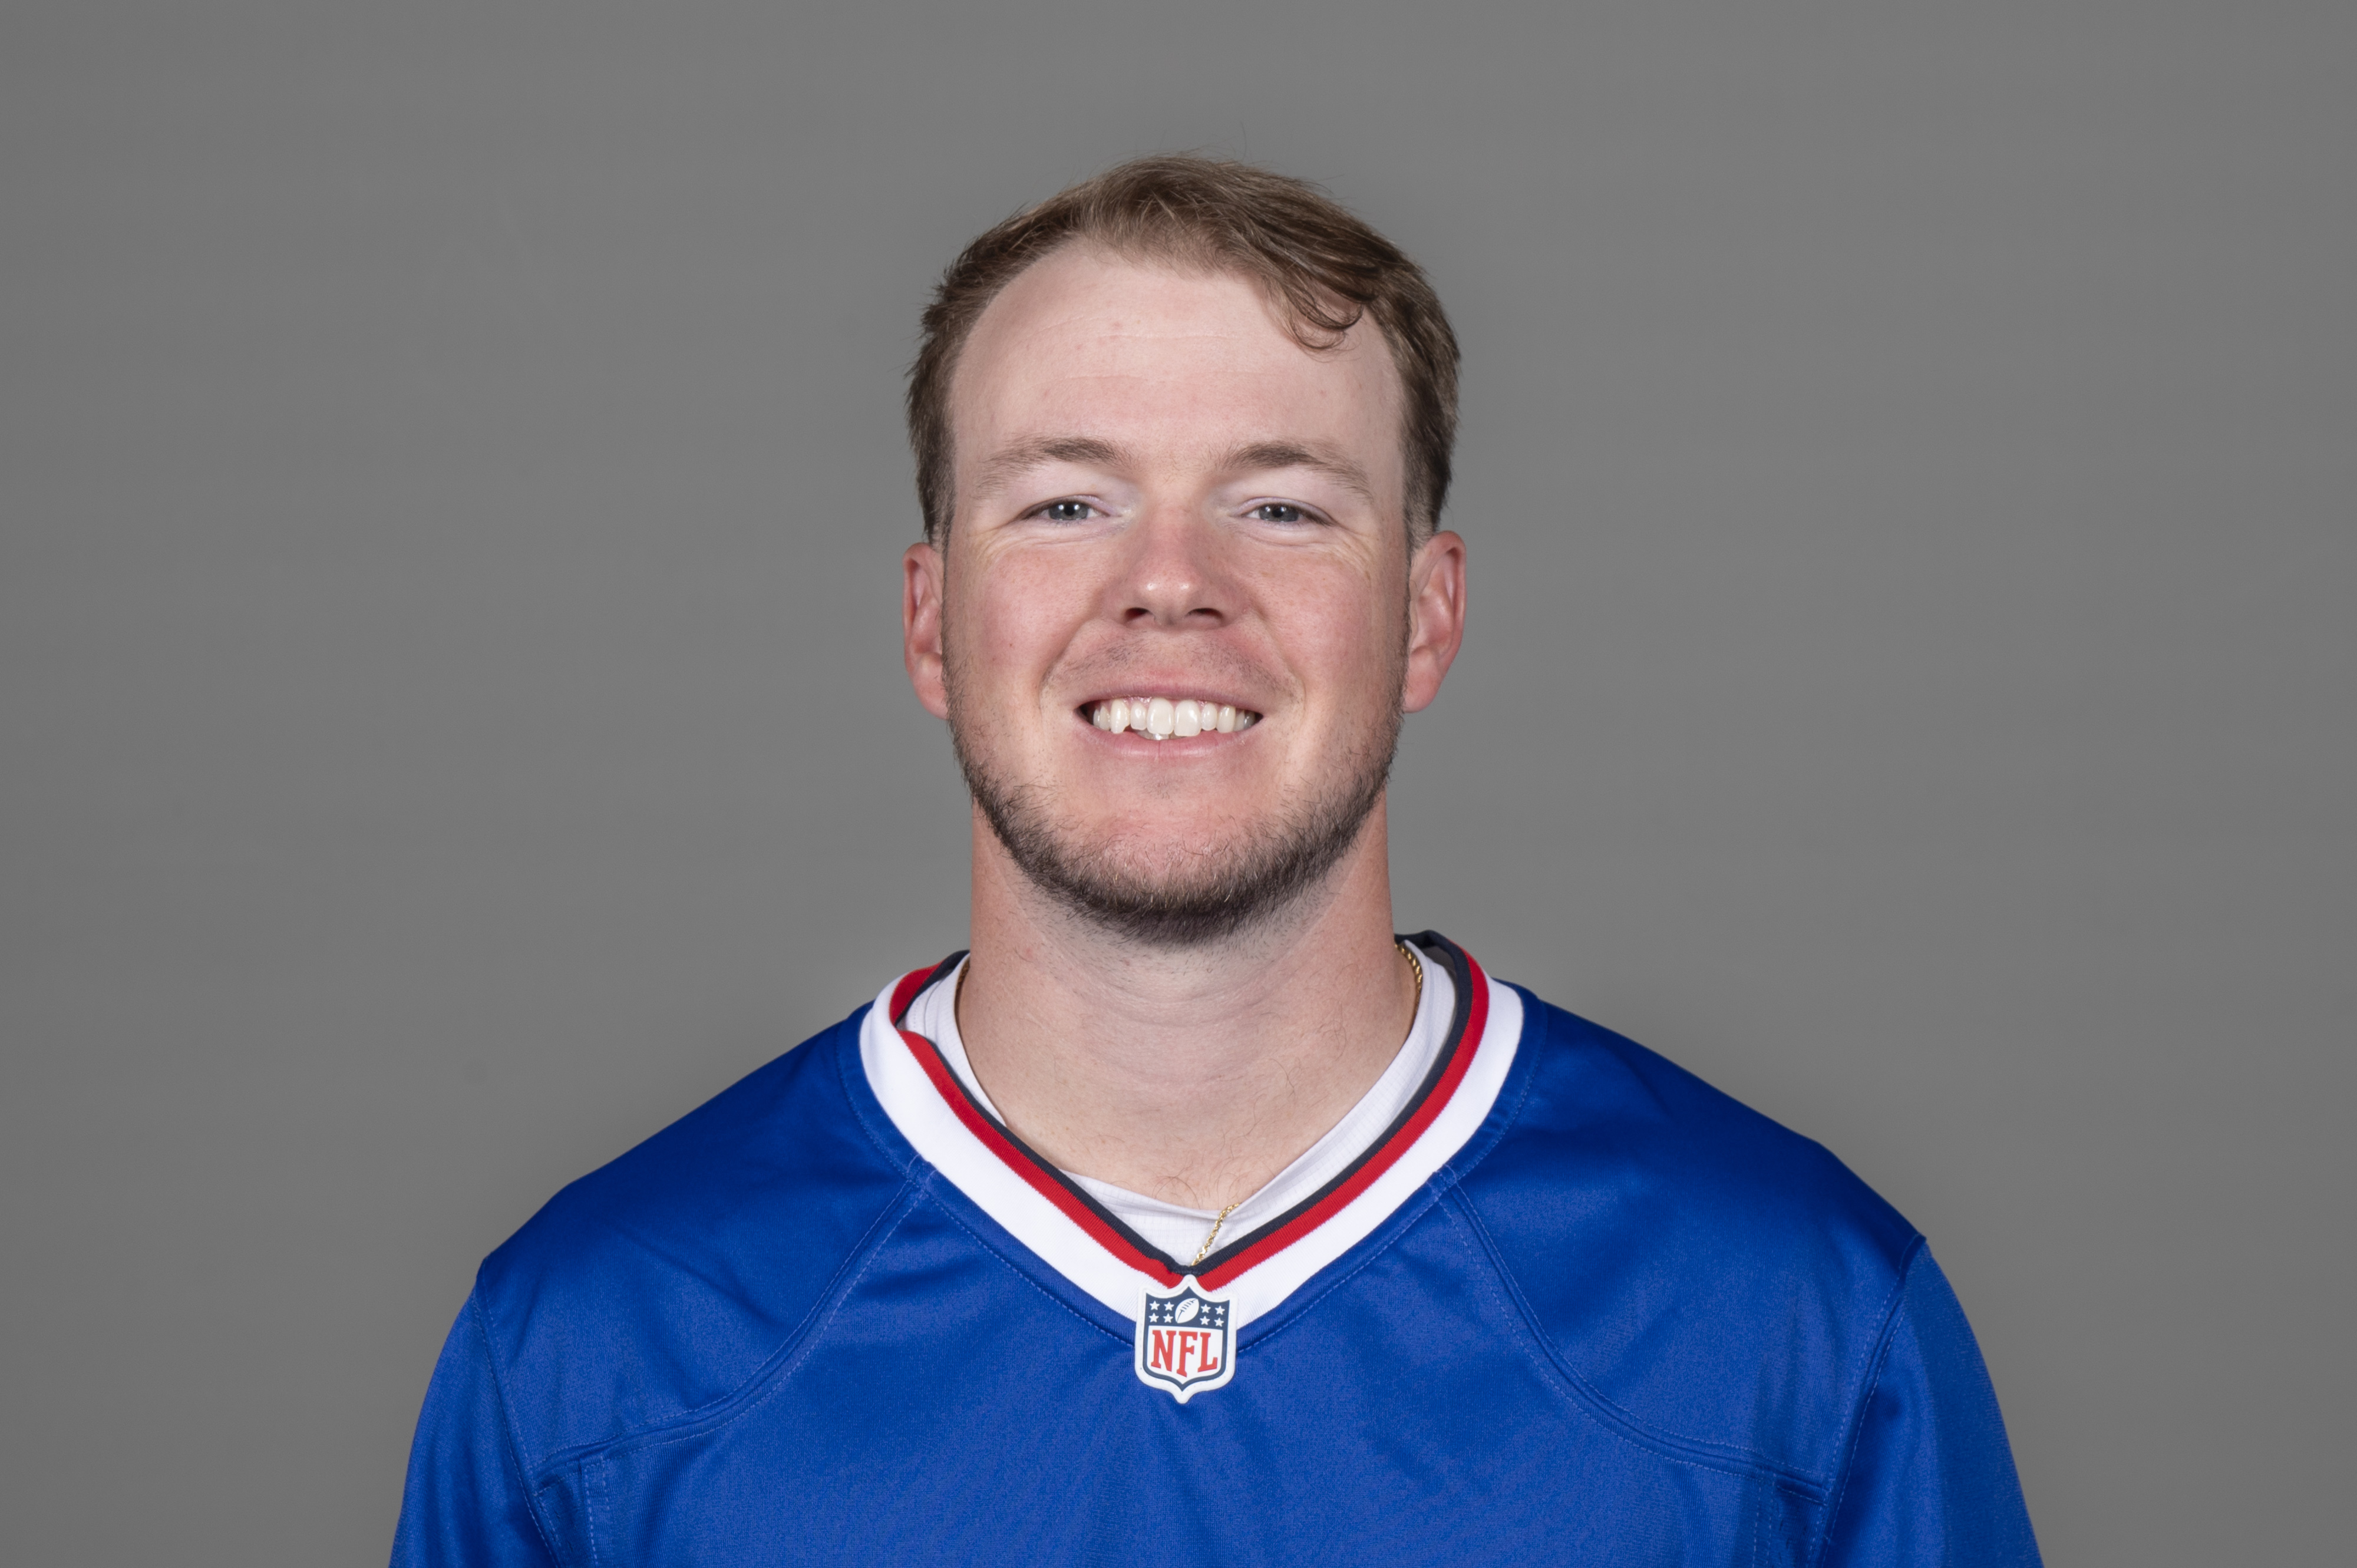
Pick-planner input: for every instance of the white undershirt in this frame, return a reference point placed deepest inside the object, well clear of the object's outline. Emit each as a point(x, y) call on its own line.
point(1180, 1232)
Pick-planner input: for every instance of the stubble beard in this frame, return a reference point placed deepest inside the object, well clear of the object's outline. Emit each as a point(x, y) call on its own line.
point(1250, 875)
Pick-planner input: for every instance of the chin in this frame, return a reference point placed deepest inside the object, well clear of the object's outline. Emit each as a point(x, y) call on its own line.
point(1177, 832)
point(1164, 887)
point(1167, 866)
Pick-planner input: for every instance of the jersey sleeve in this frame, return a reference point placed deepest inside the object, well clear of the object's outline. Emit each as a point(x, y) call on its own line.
point(464, 1501)
point(1929, 1479)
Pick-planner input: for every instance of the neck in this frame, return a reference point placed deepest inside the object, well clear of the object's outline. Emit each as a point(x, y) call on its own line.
point(1192, 1075)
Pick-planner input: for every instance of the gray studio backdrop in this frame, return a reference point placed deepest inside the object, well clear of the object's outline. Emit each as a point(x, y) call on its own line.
point(453, 716)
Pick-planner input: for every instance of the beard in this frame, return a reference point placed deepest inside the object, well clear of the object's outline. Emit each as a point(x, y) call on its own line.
point(1204, 893)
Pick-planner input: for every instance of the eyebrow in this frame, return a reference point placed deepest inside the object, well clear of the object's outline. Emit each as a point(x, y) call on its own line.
point(1018, 457)
point(1021, 456)
point(1261, 454)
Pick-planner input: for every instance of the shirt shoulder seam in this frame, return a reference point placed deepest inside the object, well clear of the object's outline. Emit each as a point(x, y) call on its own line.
point(510, 1432)
point(1591, 1401)
point(1870, 1371)
point(851, 1058)
point(775, 1368)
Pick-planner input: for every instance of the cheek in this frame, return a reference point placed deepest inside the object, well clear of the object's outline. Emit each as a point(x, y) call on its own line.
point(1344, 637)
point(1009, 620)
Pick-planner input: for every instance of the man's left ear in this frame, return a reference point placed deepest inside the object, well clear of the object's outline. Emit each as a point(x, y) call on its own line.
point(1435, 617)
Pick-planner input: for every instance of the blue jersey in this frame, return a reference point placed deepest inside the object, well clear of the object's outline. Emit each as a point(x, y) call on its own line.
point(1573, 1306)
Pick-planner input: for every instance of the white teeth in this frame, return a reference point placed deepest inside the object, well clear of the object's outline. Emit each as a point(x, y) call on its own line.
point(1164, 718)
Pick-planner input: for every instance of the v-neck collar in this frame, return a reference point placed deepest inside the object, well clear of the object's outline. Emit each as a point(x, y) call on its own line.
point(1076, 1235)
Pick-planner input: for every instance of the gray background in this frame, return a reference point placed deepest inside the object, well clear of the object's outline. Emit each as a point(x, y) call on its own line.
point(453, 718)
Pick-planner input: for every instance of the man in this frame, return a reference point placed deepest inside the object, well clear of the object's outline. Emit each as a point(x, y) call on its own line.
point(1193, 1217)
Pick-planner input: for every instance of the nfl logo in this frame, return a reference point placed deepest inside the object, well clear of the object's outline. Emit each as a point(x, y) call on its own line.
point(1184, 1342)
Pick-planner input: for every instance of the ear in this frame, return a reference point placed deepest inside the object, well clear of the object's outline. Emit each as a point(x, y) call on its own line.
point(1435, 618)
point(922, 582)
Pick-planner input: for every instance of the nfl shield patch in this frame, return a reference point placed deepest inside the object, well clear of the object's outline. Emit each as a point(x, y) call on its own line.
point(1185, 1344)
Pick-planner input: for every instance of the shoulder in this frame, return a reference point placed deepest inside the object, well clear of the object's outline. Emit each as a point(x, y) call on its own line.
point(664, 1280)
point(1703, 1272)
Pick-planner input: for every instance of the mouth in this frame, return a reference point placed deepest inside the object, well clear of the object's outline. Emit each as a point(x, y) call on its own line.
point(1164, 718)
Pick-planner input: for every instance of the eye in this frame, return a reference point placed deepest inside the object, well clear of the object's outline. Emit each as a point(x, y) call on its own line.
point(1066, 511)
point(1280, 511)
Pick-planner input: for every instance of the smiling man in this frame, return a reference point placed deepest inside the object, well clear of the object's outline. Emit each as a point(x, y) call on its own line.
point(1193, 1215)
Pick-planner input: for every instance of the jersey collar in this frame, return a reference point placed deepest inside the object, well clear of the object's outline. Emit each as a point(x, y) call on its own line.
point(1076, 1236)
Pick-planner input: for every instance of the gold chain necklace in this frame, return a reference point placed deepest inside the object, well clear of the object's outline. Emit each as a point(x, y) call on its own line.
point(1414, 964)
point(1205, 1251)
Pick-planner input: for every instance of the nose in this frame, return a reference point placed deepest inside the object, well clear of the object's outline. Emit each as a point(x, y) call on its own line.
point(1173, 576)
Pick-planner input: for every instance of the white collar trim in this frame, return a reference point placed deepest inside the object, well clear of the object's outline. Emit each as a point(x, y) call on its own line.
point(924, 1115)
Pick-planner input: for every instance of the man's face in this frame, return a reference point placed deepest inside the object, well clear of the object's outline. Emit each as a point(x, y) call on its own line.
point(1163, 500)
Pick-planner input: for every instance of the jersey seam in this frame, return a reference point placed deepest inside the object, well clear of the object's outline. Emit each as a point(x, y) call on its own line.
point(763, 1386)
point(1870, 1375)
point(846, 1060)
point(1774, 1486)
point(511, 1431)
point(603, 1501)
point(775, 1370)
point(1017, 1269)
point(1696, 1452)
point(1401, 1218)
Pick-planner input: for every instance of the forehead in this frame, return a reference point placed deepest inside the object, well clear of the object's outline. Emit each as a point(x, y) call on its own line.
point(1164, 359)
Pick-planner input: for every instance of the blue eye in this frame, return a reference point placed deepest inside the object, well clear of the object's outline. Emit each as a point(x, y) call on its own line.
point(1280, 512)
point(1067, 511)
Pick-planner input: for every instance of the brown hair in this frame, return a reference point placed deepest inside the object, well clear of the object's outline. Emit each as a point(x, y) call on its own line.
point(1323, 266)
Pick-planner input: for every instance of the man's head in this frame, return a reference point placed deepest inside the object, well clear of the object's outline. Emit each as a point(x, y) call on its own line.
point(1168, 463)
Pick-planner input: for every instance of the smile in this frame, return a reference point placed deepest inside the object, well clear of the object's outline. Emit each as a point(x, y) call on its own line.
point(1159, 718)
